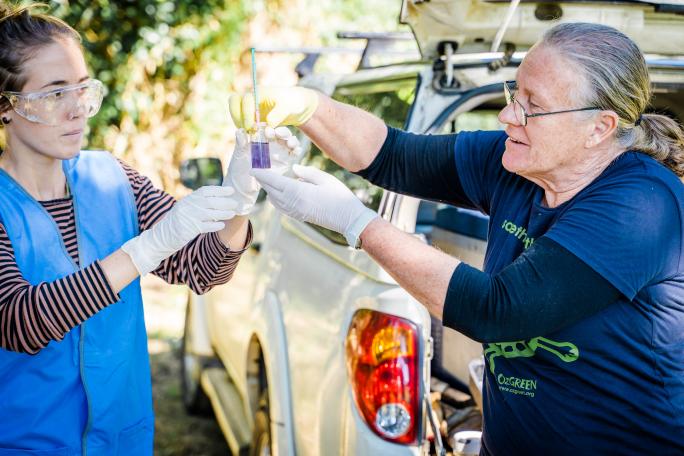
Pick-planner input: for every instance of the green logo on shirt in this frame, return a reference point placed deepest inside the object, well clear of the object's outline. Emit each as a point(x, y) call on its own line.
point(565, 351)
point(517, 231)
point(514, 385)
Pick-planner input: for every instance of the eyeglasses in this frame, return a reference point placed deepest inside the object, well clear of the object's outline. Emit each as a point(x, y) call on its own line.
point(521, 115)
point(50, 107)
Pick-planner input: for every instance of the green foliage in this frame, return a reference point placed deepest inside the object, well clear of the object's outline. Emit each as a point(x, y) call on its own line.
point(169, 66)
point(166, 39)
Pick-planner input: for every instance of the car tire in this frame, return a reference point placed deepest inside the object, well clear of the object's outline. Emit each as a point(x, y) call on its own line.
point(261, 436)
point(195, 400)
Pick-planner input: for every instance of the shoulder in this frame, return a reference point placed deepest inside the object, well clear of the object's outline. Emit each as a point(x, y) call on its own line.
point(131, 172)
point(88, 156)
point(635, 203)
point(637, 180)
point(97, 162)
point(637, 164)
point(493, 140)
point(656, 172)
point(94, 156)
point(627, 225)
point(101, 156)
point(635, 198)
point(92, 162)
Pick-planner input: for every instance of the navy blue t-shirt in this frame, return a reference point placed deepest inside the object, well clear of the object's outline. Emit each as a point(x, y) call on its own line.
point(609, 383)
point(615, 379)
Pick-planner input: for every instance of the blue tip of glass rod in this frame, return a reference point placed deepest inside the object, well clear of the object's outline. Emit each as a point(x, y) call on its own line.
point(254, 87)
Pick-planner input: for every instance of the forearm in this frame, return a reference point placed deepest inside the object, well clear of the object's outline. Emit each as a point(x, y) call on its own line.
point(119, 270)
point(421, 270)
point(351, 136)
point(234, 235)
point(530, 297)
point(33, 315)
point(208, 260)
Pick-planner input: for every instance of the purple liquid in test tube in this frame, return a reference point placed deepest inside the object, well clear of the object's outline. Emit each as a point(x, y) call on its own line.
point(259, 148)
point(260, 155)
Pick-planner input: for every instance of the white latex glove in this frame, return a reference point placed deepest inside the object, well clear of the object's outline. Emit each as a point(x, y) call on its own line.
point(283, 148)
point(317, 198)
point(202, 211)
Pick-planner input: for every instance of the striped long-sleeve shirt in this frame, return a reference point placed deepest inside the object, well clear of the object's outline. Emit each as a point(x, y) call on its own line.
point(33, 315)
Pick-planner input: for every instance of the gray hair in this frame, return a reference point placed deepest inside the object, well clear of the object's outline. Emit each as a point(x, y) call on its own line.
point(616, 79)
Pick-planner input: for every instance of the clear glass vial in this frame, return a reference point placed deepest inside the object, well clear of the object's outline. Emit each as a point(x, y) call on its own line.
point(261, 157)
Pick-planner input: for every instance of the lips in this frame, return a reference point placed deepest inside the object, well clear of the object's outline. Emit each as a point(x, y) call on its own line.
point(515, 140)
point(73, 133)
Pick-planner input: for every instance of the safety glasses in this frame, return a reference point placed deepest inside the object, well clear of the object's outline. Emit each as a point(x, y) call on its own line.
point(521, 115)
point(53, 107)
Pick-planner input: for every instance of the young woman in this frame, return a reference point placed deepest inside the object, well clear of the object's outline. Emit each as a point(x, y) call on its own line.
point(77, 228)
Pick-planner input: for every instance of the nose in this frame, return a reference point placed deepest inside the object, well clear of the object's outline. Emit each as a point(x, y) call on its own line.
point(77, 108)
point(507, 115)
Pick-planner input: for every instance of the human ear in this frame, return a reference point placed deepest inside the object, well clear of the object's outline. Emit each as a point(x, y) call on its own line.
point(603, 127)
point(5, 117)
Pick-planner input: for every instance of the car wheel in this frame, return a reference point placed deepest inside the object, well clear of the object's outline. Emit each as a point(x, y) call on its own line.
point(195, 399)
point(261, 436)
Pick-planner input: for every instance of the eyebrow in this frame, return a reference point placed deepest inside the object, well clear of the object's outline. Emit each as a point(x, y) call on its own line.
point(61, 82)
point(538, 99)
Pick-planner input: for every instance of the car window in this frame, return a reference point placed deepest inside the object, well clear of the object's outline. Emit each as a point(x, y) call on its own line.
point(389, 102)
point(481, 119)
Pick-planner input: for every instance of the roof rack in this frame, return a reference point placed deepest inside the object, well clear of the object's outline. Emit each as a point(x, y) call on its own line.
point(311, 54)
point(376, 43)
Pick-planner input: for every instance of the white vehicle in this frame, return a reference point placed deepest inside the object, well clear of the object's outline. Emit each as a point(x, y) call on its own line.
point(313, 349)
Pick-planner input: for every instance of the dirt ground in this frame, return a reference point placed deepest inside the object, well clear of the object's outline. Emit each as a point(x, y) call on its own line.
point(176, 433)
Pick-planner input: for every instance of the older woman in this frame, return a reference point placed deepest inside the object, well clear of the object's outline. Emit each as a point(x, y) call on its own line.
point(584, 272)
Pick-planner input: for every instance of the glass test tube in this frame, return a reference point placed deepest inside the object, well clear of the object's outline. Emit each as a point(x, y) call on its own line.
point(259, 147)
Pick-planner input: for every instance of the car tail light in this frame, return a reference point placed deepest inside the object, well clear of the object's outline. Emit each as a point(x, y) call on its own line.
point(382, 362)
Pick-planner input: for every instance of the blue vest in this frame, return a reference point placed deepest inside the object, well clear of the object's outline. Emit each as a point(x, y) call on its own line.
point(89, 393)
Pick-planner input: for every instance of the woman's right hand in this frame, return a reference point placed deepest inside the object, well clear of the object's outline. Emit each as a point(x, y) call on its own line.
point(202, 211)
point(284, 150)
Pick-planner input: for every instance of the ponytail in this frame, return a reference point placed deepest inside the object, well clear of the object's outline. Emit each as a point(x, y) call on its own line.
point(662, 138)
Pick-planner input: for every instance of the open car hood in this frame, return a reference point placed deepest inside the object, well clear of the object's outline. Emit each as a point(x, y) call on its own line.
point(472, 25)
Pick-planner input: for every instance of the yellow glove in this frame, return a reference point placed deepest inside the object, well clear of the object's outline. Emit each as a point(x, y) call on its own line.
point(277, 106)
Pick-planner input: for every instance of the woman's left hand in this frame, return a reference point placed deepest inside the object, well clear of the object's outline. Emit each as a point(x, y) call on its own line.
point(317, 197)
point(284, 149)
